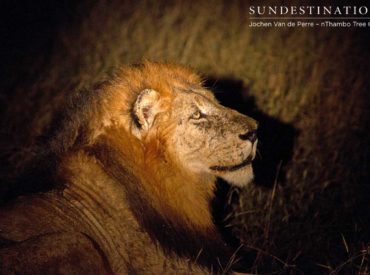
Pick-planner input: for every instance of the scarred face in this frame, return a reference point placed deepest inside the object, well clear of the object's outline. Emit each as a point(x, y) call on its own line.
point(210, 138)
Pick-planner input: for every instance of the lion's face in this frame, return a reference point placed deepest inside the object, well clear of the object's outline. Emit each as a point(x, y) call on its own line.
point(210, 138)
point(204, 136)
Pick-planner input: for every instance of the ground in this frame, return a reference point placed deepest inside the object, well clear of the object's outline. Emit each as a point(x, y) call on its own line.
point(308, 210)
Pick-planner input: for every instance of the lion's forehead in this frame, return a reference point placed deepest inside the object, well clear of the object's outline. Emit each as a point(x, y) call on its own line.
point(196, 98)
point(194, 90)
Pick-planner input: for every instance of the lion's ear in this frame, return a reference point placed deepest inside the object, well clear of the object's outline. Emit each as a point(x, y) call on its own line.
point(146, 107)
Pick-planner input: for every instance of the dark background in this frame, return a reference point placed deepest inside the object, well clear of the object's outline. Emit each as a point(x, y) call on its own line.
point(308, 210)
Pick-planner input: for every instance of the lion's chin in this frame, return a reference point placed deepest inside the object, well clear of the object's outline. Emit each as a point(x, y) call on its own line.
point(240, 177)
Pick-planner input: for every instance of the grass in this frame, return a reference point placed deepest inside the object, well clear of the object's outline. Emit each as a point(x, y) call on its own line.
point(315, 219)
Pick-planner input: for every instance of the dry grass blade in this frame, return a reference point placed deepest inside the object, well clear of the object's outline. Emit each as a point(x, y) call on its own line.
point(341, 266)
point(285, 264)
point(345, 244)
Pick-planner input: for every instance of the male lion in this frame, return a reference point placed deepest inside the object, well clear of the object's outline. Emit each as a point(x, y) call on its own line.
point(135, 161)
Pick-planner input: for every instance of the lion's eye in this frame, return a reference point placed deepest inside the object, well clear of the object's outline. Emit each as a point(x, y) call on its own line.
point(196, 115)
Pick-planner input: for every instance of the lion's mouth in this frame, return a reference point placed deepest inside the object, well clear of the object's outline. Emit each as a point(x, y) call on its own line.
point(232, 167)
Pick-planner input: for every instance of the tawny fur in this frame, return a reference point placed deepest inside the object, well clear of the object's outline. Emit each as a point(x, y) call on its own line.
point(127, 186)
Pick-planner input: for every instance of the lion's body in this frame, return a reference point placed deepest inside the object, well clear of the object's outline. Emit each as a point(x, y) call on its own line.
point(137, 165)
point(96, 206)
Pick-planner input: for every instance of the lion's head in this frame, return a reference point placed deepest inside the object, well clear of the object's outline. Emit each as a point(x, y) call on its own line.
point(202, 135)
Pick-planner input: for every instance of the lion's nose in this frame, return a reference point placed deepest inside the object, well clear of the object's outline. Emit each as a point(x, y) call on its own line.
point(250, 135)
